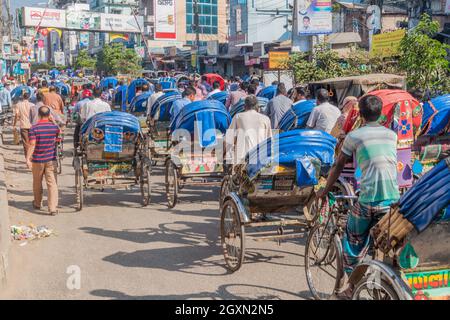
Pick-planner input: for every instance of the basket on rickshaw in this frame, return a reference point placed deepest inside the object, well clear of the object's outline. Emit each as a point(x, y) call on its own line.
point(158, 125)
point(196, 136)
point(240, 106)
point(278, 177)
point(412, 260)
point(112, 155)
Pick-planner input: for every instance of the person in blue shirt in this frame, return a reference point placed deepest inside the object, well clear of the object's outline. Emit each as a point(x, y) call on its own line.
point(5, 98)
point(178, 105)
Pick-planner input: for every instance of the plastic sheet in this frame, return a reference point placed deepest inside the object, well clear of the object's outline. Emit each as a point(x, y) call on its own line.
point(428, 197)
point(168, 83)
point(161, 108)
point(436, 115)
point(219, 96)
point(286, 148)
point(104, 84)
point(268, 92)
point(297, 116)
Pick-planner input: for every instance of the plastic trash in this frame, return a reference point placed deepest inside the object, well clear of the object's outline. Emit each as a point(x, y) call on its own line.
point(30, 232)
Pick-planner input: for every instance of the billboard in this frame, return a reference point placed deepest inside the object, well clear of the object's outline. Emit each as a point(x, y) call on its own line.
point(387, 44)
point(165, 20)
point(314, 17)
point(278, 59)
point(121, 22)
point(83, 20)
point(32, 17)
point(59, 58)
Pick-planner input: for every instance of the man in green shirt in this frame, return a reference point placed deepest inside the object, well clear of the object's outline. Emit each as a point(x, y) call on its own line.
point(375, 149)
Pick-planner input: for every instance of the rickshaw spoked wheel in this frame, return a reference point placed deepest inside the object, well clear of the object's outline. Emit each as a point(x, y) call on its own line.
point(225, 189)
point(323, 262)
point(145, 184)
point(79, 189)
point(172, 184)
point(370, 288)
point(232, 232)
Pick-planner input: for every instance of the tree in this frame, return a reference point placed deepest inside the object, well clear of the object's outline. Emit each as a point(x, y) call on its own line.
point(424, 59)
point(115, 59)
point(84, 60)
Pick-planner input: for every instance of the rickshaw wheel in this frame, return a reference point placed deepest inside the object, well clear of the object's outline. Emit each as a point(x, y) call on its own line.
point(145, 184)
point(323, 262)
point(171, 184)
point(79, 189)
point(225, 187)
point(371, 289)
point(232, 232)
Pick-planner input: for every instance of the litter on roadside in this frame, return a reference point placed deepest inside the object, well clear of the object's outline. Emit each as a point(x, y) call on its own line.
point(30, 232)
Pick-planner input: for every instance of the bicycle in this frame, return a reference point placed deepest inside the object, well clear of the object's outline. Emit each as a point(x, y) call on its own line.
point(323, 251)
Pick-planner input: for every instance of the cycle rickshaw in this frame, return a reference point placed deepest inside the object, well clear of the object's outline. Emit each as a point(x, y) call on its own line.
point(240, 106)
point(196, 136)
point(409, 258)
point(278, 178)
point(219, 96)
point(112, 155)
point(268, 92)
point(158, 126)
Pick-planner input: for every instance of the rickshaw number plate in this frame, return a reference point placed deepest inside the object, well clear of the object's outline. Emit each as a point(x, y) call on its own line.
point(283, 183)
point(161, 144)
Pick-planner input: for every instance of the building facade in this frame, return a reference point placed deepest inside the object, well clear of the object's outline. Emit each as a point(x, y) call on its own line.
point(126, 7)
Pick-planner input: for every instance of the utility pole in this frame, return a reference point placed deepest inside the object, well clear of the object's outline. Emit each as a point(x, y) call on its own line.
point(197, 34)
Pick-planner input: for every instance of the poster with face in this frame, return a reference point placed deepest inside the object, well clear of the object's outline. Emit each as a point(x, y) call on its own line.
point(314, 17)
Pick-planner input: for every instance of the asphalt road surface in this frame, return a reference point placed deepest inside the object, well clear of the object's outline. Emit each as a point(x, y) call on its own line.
point(121, 250)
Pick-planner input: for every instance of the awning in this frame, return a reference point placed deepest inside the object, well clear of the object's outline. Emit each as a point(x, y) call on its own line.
point(343, 38)
point(244, 45)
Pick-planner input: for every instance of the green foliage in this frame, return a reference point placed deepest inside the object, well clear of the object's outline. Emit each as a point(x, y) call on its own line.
point(84, 60)
point(115, 59)
point(424, 59)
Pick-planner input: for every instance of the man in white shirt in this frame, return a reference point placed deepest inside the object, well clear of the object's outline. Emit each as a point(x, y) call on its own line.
point(324, 116)
point(246, 131)
point(151, 101)
point(216, 89)
point(95, 106)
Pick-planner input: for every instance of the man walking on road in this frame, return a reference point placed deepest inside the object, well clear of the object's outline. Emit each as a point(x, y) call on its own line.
point(53, 100)
point(278, 106)
point(324, 116)
point(41, 158)
point(22, 117)
point(5, 98)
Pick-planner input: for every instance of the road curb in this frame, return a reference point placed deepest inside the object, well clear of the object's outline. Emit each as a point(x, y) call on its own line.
point(4, 225)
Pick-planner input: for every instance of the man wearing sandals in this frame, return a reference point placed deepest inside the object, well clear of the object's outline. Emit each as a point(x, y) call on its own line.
point(375, 149)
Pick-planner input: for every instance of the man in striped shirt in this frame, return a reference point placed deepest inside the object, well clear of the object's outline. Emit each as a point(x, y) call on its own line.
point(375, 149)
point(41, 158)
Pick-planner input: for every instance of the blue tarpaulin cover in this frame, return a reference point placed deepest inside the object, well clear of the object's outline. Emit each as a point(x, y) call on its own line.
point(63, 88)
point(104, 84)
point(127, 121)
point(17, 92)
point(268, 92)
point(219, 96)
point(288, 147)
point(211, 113)
point(297, 116)
point(436, 115)
point(139, 104)
point(132, 88)
point(168, 83)
point(428, 197)
point(239, 107)
point(161, 108)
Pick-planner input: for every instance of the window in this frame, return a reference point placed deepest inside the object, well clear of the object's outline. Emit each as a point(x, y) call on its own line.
point(208, 16)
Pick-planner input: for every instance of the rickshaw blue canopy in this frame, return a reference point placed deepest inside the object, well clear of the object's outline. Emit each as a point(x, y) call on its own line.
point(268, 92)
point(132, 88)
point(239, 107)
point(139, 104)
point(422, 204)
point(207, 115)
point(16, 93)
point(168, 83)
point(297, 116)
point(436, 115)
point(161, 108)
point(63, 88)
point(115, 118)
point(219, 96)
point(288, 147)
point(107, 81)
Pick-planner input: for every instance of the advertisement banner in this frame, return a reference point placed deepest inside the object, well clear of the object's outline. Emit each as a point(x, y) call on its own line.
point(387, 44)
point(314, 17)
point(121, 23)
point(60, 59)
point(212, 48)
point(83, 20)
point(32, 17)
point(84, 40)
point(277, 59)
point(165, 24)
point(140, 51)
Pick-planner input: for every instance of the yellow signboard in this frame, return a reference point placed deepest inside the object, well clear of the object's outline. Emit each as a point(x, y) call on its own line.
point(277, 59)
point(387, 44)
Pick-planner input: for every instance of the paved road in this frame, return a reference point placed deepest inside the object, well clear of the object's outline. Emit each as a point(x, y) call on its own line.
point(124, 251)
